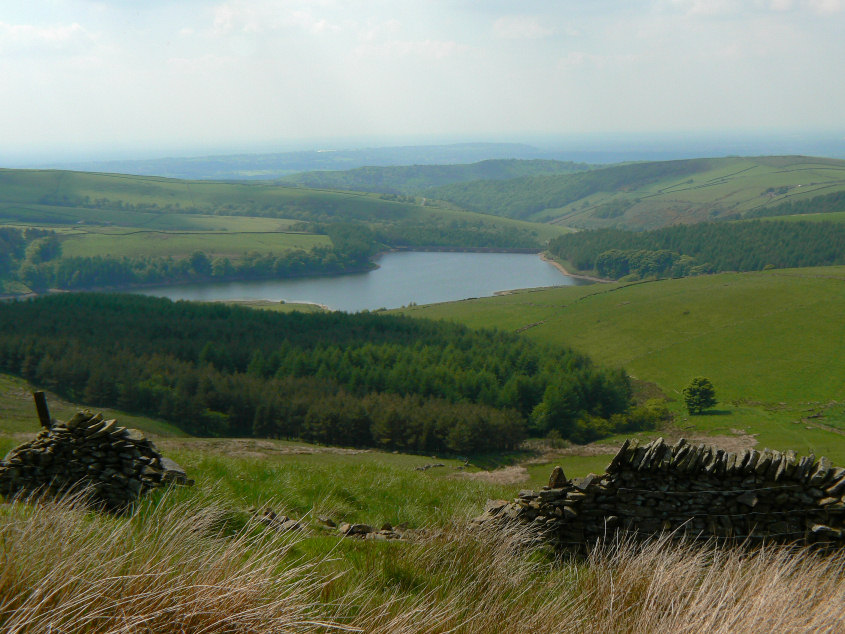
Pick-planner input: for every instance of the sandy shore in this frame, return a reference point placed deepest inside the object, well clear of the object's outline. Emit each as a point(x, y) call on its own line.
point(560, 268)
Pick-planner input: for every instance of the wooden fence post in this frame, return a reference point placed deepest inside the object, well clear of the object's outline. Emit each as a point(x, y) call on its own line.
point(42, 409)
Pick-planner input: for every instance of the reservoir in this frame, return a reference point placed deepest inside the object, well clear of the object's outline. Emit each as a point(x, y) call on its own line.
point(402, 278)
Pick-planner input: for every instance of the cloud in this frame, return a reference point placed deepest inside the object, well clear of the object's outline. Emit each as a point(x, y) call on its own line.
point(375, 30)
point(520, 27)
point(239, 16)
point(576, 59)
point(205, 64)
point(780, 5)
point(63, 39)
point(739, 7)
point(827, 6)
point(710, 8)
point(427, 49)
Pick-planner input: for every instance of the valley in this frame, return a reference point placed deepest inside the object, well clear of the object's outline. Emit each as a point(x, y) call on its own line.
point(410, 418)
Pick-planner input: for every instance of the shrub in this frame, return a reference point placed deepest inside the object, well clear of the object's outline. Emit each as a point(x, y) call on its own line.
point(699, 395)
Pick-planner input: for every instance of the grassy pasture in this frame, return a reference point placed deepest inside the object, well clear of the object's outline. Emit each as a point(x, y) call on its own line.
point(192, 560)
point(105, 220)
point(297, 478)
point(29, 186)
point(724, 186)
point(279, 307)
point(771, 342)
point(22, 193)
point(178, 213)
point(179, 244)
point(18, 421)
point(836, 216)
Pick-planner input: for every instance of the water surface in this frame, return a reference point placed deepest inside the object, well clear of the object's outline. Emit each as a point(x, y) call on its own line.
point(402, 278)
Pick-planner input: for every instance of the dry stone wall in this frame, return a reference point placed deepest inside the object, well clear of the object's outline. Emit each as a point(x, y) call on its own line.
point(696, 491)
point(115, 465)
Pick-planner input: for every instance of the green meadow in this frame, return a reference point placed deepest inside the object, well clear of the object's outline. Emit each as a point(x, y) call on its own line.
point(297, 478)
point(771, 342)
point(720, 187)
point(180, 244)
point(114, 215)
point(279, 307)
point(836, 216)
point(63, 197)
point(645, 196)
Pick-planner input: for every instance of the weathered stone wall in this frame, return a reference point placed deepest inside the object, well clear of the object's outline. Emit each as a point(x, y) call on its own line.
point(115, 464)
point(695, 491)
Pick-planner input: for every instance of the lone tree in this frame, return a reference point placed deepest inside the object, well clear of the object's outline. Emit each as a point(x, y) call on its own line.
point(699, 395)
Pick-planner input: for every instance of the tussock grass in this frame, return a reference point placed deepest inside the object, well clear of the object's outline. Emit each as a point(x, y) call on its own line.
point(171, 568)
point(65, 569)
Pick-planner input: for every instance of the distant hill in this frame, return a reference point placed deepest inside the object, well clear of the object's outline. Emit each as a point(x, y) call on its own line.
point(71, 230)
point(275, 165)
point(415, 179)
point(651, 195)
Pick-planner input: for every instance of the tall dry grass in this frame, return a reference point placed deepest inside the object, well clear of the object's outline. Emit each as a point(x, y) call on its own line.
point(65, 569)
point(487, 583)
point(170, 568)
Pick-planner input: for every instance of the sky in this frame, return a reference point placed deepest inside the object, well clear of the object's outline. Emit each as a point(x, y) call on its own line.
point(133, 78)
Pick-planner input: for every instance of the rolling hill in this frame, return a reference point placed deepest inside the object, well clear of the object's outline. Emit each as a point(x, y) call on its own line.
point(53, 197)
point(771, 342)
point(113, 230)
point(415, 179)
point(277, 164)
point(651, 195)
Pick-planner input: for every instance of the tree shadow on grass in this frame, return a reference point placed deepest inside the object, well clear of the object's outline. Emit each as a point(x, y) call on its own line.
point(714, 412)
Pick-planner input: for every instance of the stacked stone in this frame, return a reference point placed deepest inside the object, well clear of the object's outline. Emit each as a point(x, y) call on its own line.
point(113, 464)
point(696, 491)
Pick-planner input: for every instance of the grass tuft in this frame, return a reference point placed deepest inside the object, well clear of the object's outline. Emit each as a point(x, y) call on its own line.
point(170, 568)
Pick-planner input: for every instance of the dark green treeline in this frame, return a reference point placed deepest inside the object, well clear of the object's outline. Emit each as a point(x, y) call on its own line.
point(363, 379)
point(683, 250)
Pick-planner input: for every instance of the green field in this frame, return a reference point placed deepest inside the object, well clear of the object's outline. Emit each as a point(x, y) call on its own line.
point(651, 195)
point(82, 219)
point(722, 187)
point(365, 485)
point(198, 560)
point(771, 342)
point(745, 331)
point(66, 198)
point(279, 307)
point(179, 244)
point(836, 216)
point(113, 215)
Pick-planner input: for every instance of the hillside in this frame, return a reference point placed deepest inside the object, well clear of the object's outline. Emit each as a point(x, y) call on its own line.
point(122, 230)
point(415, 179)
point(277, 164)
point(238, 570)
point(61, 197)
point(771, 342)
point(704, 247)
point(361, 379)
point(650, 195)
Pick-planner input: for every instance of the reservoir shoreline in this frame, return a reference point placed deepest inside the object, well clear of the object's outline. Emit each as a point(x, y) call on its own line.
point(546, 258)
point(399, 278)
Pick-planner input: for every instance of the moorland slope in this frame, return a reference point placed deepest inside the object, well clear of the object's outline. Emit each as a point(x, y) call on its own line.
point(650, 195)
point(771, 342)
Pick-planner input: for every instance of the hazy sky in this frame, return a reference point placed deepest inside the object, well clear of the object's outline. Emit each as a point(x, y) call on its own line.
point(159, 76)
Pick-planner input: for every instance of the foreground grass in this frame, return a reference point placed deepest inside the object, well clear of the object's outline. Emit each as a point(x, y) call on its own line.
point(173, 566)
point(195, 560)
